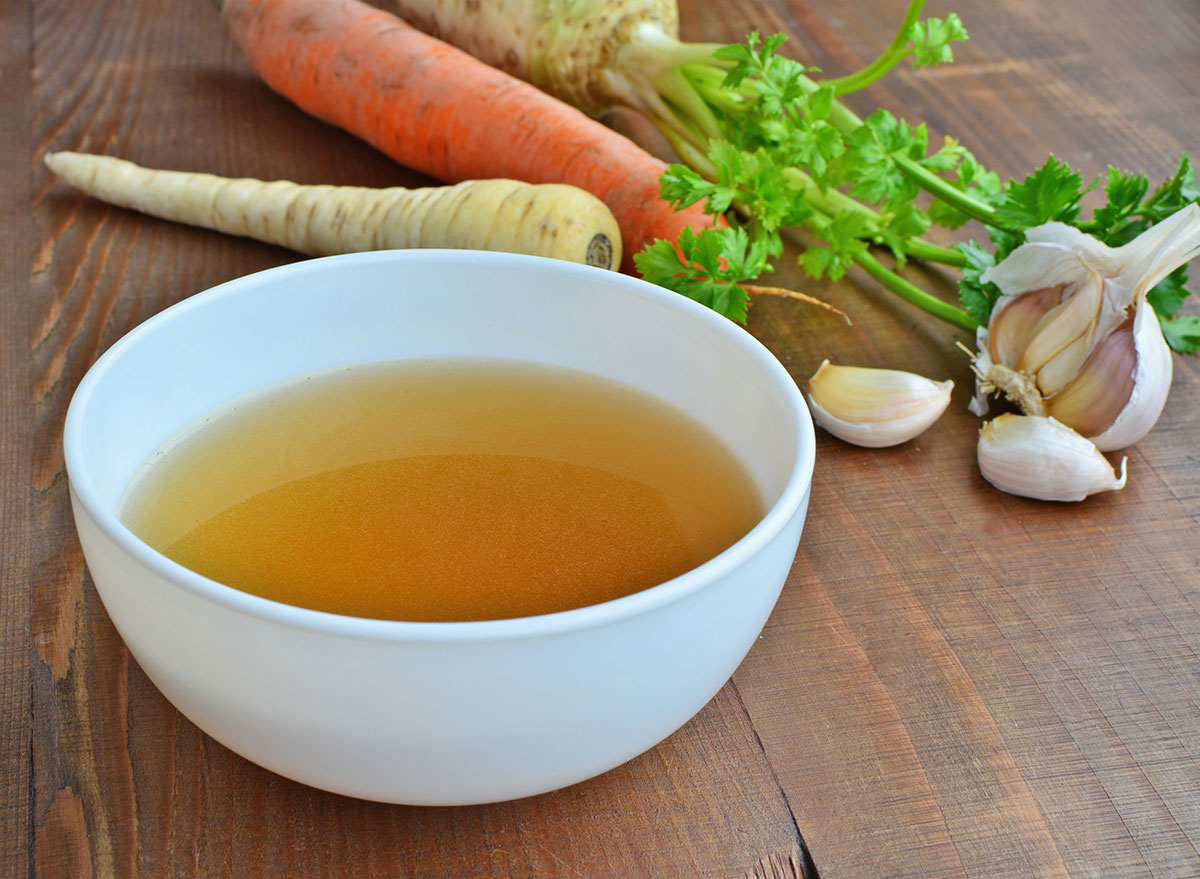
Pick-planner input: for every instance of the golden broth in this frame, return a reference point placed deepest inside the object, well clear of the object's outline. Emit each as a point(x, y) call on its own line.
point(444, 490)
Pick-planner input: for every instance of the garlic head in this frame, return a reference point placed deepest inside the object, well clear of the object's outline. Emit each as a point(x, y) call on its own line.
point(1074, 336)
point(875, 407)
point(1041, 458)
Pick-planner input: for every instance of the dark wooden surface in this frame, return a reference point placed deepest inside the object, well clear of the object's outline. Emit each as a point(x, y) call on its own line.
point(955, 683)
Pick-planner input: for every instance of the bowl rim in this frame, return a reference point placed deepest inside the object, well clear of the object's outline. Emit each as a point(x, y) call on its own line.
point(86, 496)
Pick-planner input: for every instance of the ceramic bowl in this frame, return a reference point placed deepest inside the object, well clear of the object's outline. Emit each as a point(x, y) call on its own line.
point(435, 713)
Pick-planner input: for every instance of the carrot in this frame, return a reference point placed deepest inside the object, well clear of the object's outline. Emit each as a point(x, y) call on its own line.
point(553, 219)
point(438, 110)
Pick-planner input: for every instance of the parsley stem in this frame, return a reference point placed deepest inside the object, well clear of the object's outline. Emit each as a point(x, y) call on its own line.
point(675, 87)
point(890, 57)
point(693, 157)
point(844, 119)
point(947, 256)
point(941, 188)
point(709, 81)
point(914, 295)
point(831, 202)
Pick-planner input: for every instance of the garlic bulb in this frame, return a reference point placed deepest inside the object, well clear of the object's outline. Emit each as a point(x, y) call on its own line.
point(875, 407)
point(1038, 457)
point(1073, 334)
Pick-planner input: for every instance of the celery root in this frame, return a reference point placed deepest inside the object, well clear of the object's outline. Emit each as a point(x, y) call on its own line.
point(552, 220)
point(569, 48)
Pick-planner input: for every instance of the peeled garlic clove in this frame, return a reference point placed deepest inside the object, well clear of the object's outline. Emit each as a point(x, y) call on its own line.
point(1064, 332)
point(875, 407)
point(1038, 457)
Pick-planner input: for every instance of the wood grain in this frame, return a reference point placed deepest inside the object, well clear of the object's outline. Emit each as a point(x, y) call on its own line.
point(17, 528)
point(955, 683)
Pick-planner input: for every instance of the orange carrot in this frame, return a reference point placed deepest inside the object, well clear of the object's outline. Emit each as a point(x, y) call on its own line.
point(441, 112)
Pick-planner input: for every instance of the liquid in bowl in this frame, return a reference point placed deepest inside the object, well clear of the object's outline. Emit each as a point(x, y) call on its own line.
point(444, 490)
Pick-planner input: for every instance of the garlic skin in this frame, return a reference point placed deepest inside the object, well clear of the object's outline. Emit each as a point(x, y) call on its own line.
point(1073, 334)
point(1038, 457)
point(875, 408)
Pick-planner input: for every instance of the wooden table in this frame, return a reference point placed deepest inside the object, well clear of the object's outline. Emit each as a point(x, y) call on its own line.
point(956, 682)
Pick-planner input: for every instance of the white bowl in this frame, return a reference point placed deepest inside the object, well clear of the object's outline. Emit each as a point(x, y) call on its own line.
point(435, 713)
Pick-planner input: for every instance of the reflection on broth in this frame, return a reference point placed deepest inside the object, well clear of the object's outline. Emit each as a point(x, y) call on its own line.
point(444, 490)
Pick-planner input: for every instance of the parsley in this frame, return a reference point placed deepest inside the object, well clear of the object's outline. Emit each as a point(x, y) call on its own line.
point(706, 267)
point(1116, 223)
point(931, 40)
point(978, 298)
point(1052, 192)
point(1167, 297)
point(774, 147)
point(1182, 333)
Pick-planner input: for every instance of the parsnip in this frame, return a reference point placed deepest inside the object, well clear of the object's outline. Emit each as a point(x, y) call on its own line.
point(553, 220)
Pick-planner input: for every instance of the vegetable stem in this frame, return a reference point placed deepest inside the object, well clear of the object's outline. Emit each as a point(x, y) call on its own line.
point(890, 57)
point(941, 188)
point(831, 202)
point(925, 250)
point(914, 295)
point(674, 86)
point(845, 121)
point(693, 106)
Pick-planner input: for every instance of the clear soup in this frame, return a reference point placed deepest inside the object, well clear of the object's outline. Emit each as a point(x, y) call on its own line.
point(444, 491)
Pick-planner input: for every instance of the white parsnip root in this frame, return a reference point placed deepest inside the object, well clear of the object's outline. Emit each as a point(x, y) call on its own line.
point(552, 220)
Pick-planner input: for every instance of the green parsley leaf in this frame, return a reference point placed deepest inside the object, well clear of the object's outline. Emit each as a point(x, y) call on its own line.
point(960, 169)
point(868, 163)
point(746, 57)
point(844, 237)
point(1168, 295)
point(681, 186)
point(1182, 333)
point(813, 147)
point(1052, 192)
point(901, 226)
point(985, 183)
point(1113, 223)
point(707, 267)
point(931, 40)
point(1173, 195)
point(977, 298)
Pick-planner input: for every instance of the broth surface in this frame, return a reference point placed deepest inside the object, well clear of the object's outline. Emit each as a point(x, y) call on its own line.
point(444, 490)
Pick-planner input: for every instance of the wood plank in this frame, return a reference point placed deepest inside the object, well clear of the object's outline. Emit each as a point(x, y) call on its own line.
point(16, 507)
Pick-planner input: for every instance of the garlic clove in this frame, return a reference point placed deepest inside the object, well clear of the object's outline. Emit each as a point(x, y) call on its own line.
point(1096, 396)
point(1151, 383)
point(1120, 392)
point(1012, 325)
point(1041, 458)
point(875, 407)
point(1062, 339)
